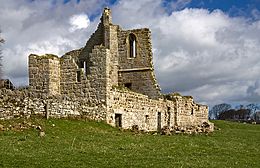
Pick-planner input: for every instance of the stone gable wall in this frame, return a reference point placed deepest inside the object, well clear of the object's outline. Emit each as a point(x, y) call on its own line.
point(144, 50)
point(138, 71)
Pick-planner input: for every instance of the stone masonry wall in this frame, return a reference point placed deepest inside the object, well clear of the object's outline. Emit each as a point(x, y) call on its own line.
point(189, 113)
point(112, 45)
point(25, 103)
point(97, 38)
point(138, 109)
point(92, 81)
point(53, 75)
point(44, 73)
point(141, 65)
point(135, 108)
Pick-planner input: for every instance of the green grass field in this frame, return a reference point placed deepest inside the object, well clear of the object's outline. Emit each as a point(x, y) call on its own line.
point(72, 143)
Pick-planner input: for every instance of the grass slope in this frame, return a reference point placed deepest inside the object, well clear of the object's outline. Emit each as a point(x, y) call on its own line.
point(72, 143)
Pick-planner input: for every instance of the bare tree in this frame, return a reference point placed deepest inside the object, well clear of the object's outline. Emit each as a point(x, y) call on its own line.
point(1, 41)
point(253, 107)
point(218, 109)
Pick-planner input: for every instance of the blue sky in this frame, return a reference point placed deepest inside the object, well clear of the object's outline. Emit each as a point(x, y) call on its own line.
point(225, 5)
point(232, 7)
point(235, 8)
point(208, 49)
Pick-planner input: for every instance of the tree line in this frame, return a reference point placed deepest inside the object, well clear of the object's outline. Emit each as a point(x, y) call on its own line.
point(225, 111)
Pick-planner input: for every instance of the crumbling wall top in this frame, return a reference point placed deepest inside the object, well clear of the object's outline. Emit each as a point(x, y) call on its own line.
point(45, 56)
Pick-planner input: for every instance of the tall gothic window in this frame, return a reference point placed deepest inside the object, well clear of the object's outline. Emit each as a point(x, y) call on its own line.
point(132, 45)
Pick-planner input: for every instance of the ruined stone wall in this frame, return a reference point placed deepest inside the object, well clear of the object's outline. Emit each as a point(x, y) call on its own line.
point(89, 81)
point(44, 74)
point(137, 109)
point(92, 85)
point(141, 82)
point(25, 103)
point(189, 113)
point(111, 42)
point(140, 65)
point(69, 71)
point(97, 38)
point(52, 75)
point(143, 48)
point(134, 108)
point(99, 72)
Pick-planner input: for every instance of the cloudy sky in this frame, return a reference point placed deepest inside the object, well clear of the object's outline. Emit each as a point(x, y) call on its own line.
point(206, 48)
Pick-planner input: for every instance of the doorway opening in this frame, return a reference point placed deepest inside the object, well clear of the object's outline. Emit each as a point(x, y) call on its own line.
point(128, 85)
point(118, 120)
point(159, 123)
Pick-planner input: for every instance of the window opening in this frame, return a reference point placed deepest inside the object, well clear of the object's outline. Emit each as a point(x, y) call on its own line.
point(132, 45)
point(146, 119)
point(78, 76)
point(192, 111)
point(85, 68)
point(169, 116)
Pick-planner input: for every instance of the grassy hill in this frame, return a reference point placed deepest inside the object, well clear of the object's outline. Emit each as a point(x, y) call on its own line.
point(72, 143)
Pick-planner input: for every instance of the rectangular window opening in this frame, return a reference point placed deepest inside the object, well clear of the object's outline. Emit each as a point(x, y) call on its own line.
point(169, 119)
point(146, 119)
point(78, 76)
point(85, 68)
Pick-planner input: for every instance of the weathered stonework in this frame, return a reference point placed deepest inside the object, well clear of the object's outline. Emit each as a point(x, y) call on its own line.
point(25, 104)
point(111, 79)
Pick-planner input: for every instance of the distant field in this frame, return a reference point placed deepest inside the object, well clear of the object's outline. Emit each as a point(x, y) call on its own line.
point(94, 144)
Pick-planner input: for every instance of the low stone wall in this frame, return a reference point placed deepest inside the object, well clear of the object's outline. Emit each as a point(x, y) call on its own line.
point(24, 103)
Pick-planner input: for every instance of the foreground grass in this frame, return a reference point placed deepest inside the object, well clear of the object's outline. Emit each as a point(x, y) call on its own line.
point(93, 144)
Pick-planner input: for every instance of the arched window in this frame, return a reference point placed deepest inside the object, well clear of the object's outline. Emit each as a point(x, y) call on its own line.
point(132, 45)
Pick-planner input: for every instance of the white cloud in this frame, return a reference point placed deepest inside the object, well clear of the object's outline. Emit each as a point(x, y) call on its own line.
point(40, 27)
point(209, 55)
point(80, 21)
point(179, 4)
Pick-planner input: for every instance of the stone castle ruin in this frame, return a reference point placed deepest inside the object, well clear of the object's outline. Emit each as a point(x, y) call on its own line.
point(110, 79)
